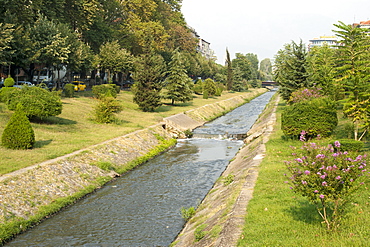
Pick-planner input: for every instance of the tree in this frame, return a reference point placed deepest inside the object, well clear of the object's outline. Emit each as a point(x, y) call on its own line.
point(18, 133)
point(265, 72)
point(148, 76)
point(229, 71)
point(353, 71)
point(244, 66)
point(178, 82)
point(321, 70)
point(6, 37)
point(290, 69)
point(240, 82)
point(114, 58)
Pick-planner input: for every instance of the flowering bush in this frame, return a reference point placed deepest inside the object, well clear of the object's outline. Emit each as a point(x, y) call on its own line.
point(327, 178)
point(305, 94)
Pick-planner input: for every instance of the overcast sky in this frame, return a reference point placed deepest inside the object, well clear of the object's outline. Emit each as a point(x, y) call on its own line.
point(263, 27)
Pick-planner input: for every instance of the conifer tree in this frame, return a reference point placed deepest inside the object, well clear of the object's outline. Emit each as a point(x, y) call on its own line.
point(229, 71)
point(178, 82)
point(18, 133)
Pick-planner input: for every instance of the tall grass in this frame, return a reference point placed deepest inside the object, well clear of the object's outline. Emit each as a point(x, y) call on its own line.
point(278, 217)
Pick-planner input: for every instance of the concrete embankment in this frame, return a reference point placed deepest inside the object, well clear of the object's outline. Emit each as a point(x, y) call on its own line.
point(25, 192)
point(220, 216)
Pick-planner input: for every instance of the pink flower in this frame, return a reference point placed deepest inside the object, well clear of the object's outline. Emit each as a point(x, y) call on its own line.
point(304, 182)
point(337, 144)
point(324, 183)
point(338, 177)
point(322, 196)
point(323, 176)
point(316, 191)
point(307, 172)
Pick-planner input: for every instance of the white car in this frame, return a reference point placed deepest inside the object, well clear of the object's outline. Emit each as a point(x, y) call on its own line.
point(23, 83)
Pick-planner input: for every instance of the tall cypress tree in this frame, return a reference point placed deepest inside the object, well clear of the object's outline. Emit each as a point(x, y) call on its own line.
point(229, 71)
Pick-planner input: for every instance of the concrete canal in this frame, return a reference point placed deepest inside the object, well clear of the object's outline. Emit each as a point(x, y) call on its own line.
point(142, 207)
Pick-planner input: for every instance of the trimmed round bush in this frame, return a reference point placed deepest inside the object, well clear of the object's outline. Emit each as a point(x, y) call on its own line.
point(18, 133)
point(69, 90)
point(315, 117)
point(35, 101)
point(100, 91)
point(9, 82)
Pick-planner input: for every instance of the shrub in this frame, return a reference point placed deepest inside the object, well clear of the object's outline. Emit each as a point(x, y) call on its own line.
point(198, 89)
point(315, 117)
point(35, 101)
point(205, 94)
point(105, 110)
point(18, 133)
point(69, 90)
point(305, 94)
point(9, 82)
point(100, 91)
point(210, 86)
point(327, 178)
point(350, 145)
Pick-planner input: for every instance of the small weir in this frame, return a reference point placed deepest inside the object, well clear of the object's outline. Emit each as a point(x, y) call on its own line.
point(142, 208)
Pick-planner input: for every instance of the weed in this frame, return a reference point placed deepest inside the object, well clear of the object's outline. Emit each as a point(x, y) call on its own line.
point(228, 179)
point(199, 233)
point(187, 213)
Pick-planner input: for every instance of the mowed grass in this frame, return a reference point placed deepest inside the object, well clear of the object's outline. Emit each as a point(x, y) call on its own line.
point(278, 217)
point(73, 129)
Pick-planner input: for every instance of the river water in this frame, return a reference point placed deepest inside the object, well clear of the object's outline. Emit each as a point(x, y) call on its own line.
point(142, 207)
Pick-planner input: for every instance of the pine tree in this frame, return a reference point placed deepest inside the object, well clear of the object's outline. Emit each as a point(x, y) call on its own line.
point(18, 133)
point(148, 77)
point(178, 82)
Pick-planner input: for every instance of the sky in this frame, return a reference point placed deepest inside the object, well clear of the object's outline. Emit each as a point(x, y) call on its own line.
point(263, 27)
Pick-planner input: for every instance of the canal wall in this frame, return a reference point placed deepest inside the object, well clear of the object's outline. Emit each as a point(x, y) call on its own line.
point(219, 218)
point(29, 194)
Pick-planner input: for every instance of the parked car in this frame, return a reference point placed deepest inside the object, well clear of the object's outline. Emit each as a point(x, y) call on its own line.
point(23, 83)
point(79, 85)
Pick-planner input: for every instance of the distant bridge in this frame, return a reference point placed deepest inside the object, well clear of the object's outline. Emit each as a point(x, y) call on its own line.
point(269, 84)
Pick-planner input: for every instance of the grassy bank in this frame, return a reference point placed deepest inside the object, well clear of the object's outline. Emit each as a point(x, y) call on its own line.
point(278, 217)
point(73, 129)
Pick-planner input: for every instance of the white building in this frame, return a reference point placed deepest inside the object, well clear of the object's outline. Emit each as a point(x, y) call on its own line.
point(203, 46)
point(331, 41)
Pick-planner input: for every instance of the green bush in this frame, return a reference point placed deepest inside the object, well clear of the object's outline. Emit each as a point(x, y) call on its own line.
point(198, 89)
point(4, 93)
point(210, 86)
point(205, 94)
point(69, 90)
point(315, 117)
point(105, 110)
point(100, 91)
point(349, 145)
point(18, 133)
point(36, 102)
point(9, 82)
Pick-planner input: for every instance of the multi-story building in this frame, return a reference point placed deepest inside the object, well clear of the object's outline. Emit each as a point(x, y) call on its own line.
point(331, 41)
point(362, 24)
point(203, 46)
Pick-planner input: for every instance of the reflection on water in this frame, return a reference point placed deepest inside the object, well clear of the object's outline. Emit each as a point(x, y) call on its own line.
point(142, 208)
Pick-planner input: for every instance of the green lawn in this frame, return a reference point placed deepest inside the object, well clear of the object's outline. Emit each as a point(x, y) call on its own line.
point(278, 217)
point(73, 129)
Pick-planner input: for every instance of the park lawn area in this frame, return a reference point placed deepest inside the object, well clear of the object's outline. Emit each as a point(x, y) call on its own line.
point(73, 130)
point(278, 217)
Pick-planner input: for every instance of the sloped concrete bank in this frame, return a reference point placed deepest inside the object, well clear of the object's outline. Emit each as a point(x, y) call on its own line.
point(26, 192)
point(220, 216)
